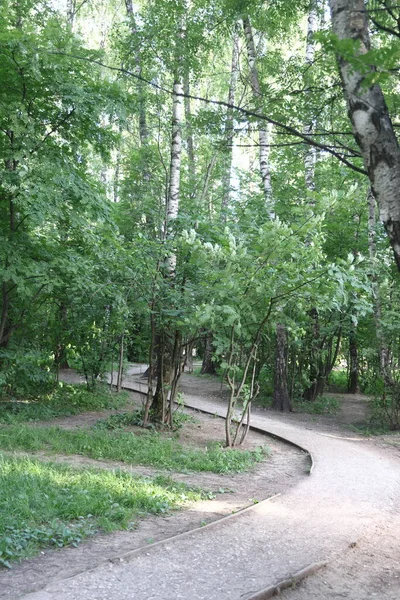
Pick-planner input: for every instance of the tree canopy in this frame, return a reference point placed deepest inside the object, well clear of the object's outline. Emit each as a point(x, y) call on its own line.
point(214, 179)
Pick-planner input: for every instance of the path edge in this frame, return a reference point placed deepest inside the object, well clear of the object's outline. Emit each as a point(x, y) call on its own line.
point(275, 590)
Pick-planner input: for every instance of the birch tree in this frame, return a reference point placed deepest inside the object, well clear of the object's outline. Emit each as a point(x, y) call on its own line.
point(263, 135)
point(367, 110)
point(168, 344)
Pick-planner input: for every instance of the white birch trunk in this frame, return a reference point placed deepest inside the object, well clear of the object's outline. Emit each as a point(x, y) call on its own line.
point(143, 130)
point(229, 133)
point(263, 134)
point(71, 7)
point(189, 131)
point(311, 152)
point(173, 195)
point(372, 127)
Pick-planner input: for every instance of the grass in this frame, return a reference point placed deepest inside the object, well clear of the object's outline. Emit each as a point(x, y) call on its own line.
point(129, 419)
point(46, 505)
point(65, 400)
point(148, 448)
point(323, 405)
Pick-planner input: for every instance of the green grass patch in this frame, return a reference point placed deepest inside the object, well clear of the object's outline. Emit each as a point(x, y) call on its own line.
point(129, 419)
point(47, 505)
point(65, 400)
point(147, 448)
point(323, 405)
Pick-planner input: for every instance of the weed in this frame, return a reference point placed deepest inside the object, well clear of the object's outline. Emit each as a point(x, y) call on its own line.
point(148, 448)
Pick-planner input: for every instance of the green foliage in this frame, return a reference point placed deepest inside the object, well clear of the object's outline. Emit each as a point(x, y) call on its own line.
point(45, 505)
point(147, 448)
point(323, 405)
point(385, 409)
point(339, 380)
point(63, 401)
point(121, 420)
point(26, 373)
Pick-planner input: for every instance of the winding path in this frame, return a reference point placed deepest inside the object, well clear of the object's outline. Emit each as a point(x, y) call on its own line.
point(354, 491)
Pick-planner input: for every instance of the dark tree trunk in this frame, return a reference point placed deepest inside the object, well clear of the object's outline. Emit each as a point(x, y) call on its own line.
point(208, 366)
point(281, 399)
point(352, 387)
point(316, 384)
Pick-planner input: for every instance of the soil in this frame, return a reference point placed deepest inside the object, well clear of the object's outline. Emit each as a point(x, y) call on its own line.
point(368, 568)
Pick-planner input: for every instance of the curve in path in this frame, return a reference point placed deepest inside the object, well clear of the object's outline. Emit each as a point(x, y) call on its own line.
point(355, 489)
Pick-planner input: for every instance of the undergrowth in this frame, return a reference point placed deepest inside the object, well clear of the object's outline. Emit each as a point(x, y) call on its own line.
point(323, 405)
point(63, 401)
point(135, 418)
point(147, 448)
point(46, 505)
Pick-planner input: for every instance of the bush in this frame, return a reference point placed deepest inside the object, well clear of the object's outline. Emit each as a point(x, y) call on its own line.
point(339, 380)
point(26, 374)
point(385, 413)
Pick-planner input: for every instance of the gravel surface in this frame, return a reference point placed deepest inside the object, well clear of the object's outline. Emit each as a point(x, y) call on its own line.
point(352, 499)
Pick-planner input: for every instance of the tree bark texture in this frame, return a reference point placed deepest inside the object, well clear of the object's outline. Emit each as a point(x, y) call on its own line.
point(281, 400)
point(229, 128)
point(352, 387)
point(143, 130)
point(208, 365)
point(311, 152)
point(175, 170)
point(372, 126)
point(263, 136)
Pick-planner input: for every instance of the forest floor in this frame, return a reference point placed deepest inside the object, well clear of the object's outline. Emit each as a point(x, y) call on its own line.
point(346, 512)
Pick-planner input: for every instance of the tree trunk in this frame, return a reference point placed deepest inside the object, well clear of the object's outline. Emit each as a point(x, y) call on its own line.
point(143, 130)
point(189, 133)
point(352, 387)
point(311, 152)
point(311, 392)
point(367, 110)
point(120, 363)
point(281, 400)
point(229, 128)
point(71, 10)
point(166, 339)
point(263, 136)
point(208, 366)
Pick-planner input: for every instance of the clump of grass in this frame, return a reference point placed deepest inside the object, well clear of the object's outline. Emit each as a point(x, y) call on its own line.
point(148, 448)
point(120, 421)
point(323, 405)
point(135, 418)
point(65, 400)
point(47, 505)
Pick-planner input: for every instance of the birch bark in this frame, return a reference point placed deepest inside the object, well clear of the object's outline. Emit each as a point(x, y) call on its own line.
point(372, 126)
point(263, 135)
point(168, 354)
point(311, 152)
point(143, 130)
point(229, 128)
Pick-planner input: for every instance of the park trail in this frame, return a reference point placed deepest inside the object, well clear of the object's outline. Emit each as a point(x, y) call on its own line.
point(351, 500)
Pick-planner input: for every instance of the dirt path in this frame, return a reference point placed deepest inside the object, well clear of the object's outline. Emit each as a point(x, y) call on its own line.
point(346, 512)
